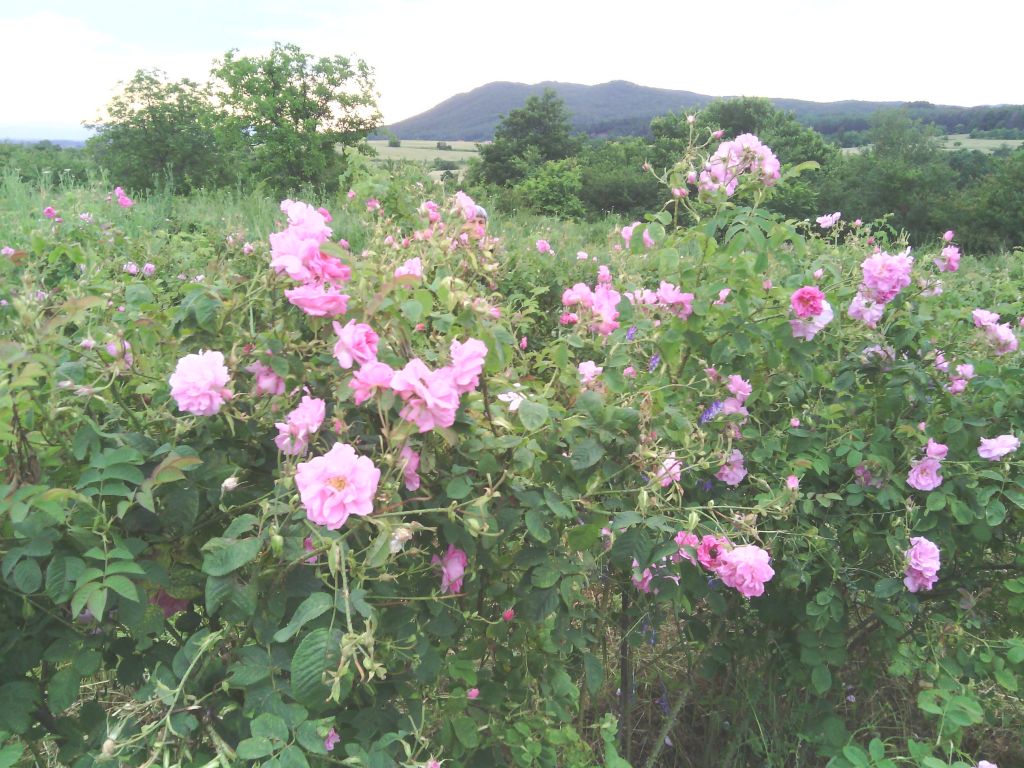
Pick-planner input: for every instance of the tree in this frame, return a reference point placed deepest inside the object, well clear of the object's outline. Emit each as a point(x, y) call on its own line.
point(294, 110)
point(526, 138)
point(160, 133)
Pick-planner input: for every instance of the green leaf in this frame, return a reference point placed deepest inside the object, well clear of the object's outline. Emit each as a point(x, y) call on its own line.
point(10, 755)
point(544, 576)
point(251, 749)
point(27, 576)
point(17, 700)
point(593, 672)
point(533, 415)
point(586, 454)
point(123, 586)
point(936, 501)
point(535, 525)
point(821, 679)
point(315, 605)
point(292, 757)
point(319, 651)
point(458, 487)
point(231, 556)
point(270, 726)
point(856, 756)
point(888, 587)
point(465, 731)
point(63, 689)
point(1006, 679)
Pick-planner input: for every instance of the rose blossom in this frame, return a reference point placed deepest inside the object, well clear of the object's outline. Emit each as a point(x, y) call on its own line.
point(688, 544)
point(994, 448)
point(267, 382)
point(323, 300)
point(453, 568)
point(357, 343)
point(922, 564)
point(336, 485)
point(746, 569)
point(410, 465)
point(924, 474)
point(808, 329)
point(199, 383)
point(370, 378)
point(807, 301)
point(293, 434)
point(431, 399)
point(412, 267)
point(589, 370)
point(670, 471)
point(711, 550)
point(467, 364)
point(733, 471)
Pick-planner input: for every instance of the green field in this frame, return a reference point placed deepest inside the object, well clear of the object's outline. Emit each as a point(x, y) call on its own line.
point(426, 150)
point(956, 141)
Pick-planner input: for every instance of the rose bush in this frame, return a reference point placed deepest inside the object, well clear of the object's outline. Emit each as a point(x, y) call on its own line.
point(358, 520)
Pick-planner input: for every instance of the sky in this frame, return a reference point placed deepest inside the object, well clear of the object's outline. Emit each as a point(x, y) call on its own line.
point(63, 63)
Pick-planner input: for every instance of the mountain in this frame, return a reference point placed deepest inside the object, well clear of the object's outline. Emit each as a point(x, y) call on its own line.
point(618, 108)
point(621, 108)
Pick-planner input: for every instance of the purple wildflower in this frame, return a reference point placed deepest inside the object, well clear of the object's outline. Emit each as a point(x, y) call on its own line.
point(631, 333)
point(710, 412)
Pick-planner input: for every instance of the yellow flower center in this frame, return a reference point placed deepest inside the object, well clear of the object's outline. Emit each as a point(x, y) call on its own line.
point(338, 483)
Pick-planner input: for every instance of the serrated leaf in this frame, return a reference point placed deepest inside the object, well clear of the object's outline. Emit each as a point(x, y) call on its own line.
point(269, 726)
point(319, 651)
point(465, 731)
point(231, 556)
point(544, 576)
point(123, 586)
point(313, 606)
point(62, 690)
point(27, 576)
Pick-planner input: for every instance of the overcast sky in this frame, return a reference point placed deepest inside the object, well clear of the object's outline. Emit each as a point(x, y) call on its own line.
point(62, 64)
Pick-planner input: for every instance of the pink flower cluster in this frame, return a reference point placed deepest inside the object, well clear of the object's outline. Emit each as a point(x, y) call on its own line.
point(296, 252)
point(743, 155)
point(668, 297)
point(812, 312)
point(829, 220)
point(924, 473)
point(199, 383)
point(885, 275)
point(122, 199)
point(267, 382)
point(602, 303)
point(999, 335)
point(922, 566)
point(745, 568)
point(293, 434)
point(958, 383)
point(670, 471)
point(453, 569)
point(949, 259)
point(740, 390)
point(733, 471)
point(336, 485)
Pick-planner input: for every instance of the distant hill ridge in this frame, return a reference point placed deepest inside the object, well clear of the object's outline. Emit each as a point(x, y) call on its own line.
point(621, 108)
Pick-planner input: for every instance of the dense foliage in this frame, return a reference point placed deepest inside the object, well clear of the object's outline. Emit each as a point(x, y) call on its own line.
point(393, 491)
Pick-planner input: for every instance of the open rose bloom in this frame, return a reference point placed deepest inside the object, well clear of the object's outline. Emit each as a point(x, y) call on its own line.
point(336, 485)
point(199, 383)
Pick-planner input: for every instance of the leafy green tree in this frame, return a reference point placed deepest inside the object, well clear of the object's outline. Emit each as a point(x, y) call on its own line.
point(990, 218)
point(161, 133)
point(525, 139)
point(613, 179)
point(294, 111)
point(553, 189)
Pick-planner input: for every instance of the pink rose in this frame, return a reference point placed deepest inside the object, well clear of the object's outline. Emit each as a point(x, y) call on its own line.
point(994, 448)
point(740, 387)
point(336, 485)
point(412, 267)
point(543, 246)
point(807, 301)
point(467, 364)
point(688, 544)
point(357, 343)
point(410, 464)
point(369, 379)
point(323, 300)
point(453, 569)
point(733, 471)
point(922, 565)
point(431, 399)
point(793, 482)
point(746, 569)
point(293, 434)
point(199, 383)
point(711, 550)
point(808, 329)
point(670, 471)
point(589, 371)
point(924, 474)
point(267, 382)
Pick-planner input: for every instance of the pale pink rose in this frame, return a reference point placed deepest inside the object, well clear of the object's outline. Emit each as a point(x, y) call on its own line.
point(306, 218)
point(589, 371)
point(7, 251)
point(578, 294)
point(582, 256)
point(740, 387)
point(949, 260)
point(336, 485)
point(828, 220)
point(983, 318)
point(641, 579)
point(746, 569)
point(948, 235)
point(808, 329)
point(965, 371)
point(293, 434)
point(936, 450)
point(604, 274)
point(410, 465)
point(49, 212)
point(819, 273)
point(332, 740)
point(885, 275)
point(647, 239)
point(465, 206)
point(733, 471)
point(523, 343)
point(543, 246)
point(711, 549)
point(1002, 338)
point(794, 422)
point(867, 311)
point(793, 482)
point(670, 471)
point(722, 296)
point(431, 399)
point(467, 364)
point(412, 267)
point(371, 378)
point(267, 382)
point(199, 383)
point(629, 372)
point(357, 343)
point(745, 155)
point(148, 269)
point(373, 204)
point(994, 448)
point(453, 569)
point(766, 284)
point(956, 386)
point(985, 764)
point(569, 318)
point(473, 693)
point(807, 301)
point(319, 300)
point(922, 566)
point(924, 474)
